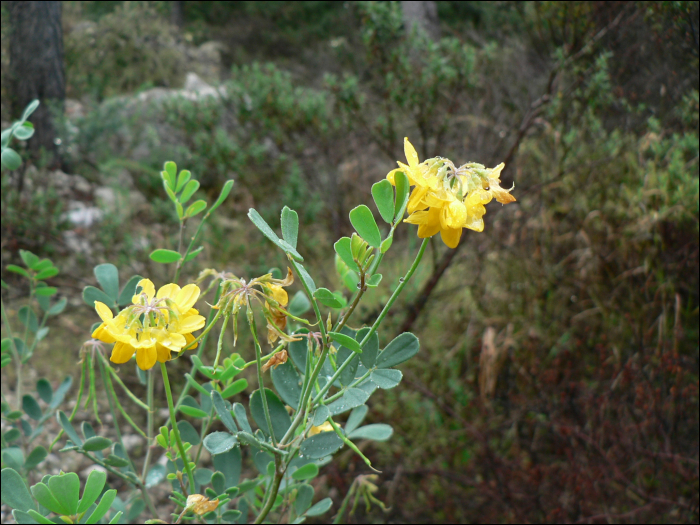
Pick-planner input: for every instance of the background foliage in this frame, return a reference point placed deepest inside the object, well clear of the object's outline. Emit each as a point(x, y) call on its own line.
point(559, 373)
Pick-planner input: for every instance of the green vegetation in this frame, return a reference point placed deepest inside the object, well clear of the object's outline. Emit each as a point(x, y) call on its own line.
point(558, 373)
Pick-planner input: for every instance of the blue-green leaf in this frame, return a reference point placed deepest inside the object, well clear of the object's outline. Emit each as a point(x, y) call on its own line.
point(401, 349)
point(14, 492)
point(108, 277)
point(375, 432)
point(290, 226)
point(219, 442)
point(278, 414)
point(320, 445)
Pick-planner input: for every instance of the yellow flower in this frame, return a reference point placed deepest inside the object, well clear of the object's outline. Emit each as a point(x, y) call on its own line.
point(326, 427)
point(446, 198)
point(201, 505)
point(266, 290)
point(154, 326)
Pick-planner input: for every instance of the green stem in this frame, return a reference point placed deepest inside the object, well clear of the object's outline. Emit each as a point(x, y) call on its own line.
point(179, 250)
point(261, 386)
point(220, 343)
point(112, 398)
point(379, 319)
point(265, 358)
point(176, 431)
point(149, 424)
point(203, 336)
point(344, 505)
point(358, 295)
point(272, 492)
point(15, 355)
point(203, 433)
point(314, 304)
point(189, 247)
point(111, 391)
point(128, 392)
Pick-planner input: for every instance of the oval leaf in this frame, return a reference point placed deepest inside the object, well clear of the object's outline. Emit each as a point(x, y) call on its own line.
point(11, 159)
point(165, 256)
point(375, 432)
point(308, 471)
point(15, 492)
point(328, 298)
point(96, 443)
point(401, 349)
point(222, 196)
point(321, 507)
point(386, 378)
point(290, 226)
point(320, 445)
point(365, 225)
point(346, 341)
point(108, 277)
point(195, 208)
point(402, 187)
point(383, 195)
point(219, 442)
point(278, 413)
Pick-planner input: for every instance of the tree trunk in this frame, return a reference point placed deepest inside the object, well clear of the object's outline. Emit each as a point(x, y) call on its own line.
point(422, 14)
point(36, 69)
point(177, 13)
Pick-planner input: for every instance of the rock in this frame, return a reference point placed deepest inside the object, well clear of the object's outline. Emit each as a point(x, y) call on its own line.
point(81, 215)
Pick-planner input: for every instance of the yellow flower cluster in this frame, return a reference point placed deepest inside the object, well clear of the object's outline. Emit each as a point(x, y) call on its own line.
point(270, 293)
point(153, 326)
point(446, 198)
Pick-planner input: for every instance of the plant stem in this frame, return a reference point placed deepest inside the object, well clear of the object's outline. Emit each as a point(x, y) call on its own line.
point(112, 397)
point(149, 424)
point(220, 343)
point(110, 389)
point(344, 505)
point(176, 431)
point(15, 355)
point(261, 386)
point(379, 319)
point(179, 250)
point(272, 492)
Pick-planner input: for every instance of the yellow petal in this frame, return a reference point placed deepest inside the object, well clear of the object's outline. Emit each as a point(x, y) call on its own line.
point(279, 295)
point(103, 311)
point(162, 353)
point(417, 217)
point(102, 333)
point(191, 323)
point(451, 236)
point(173, 341)
point(326, 427)
point(146, 357)
point(146, 288)
point(189, 338)
point(121, 352)
point(428, 230)
point(410, 151)
point(390, 176)
point(187, 297)
point(454, 215)
point(169, 290)
point(415, 201)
